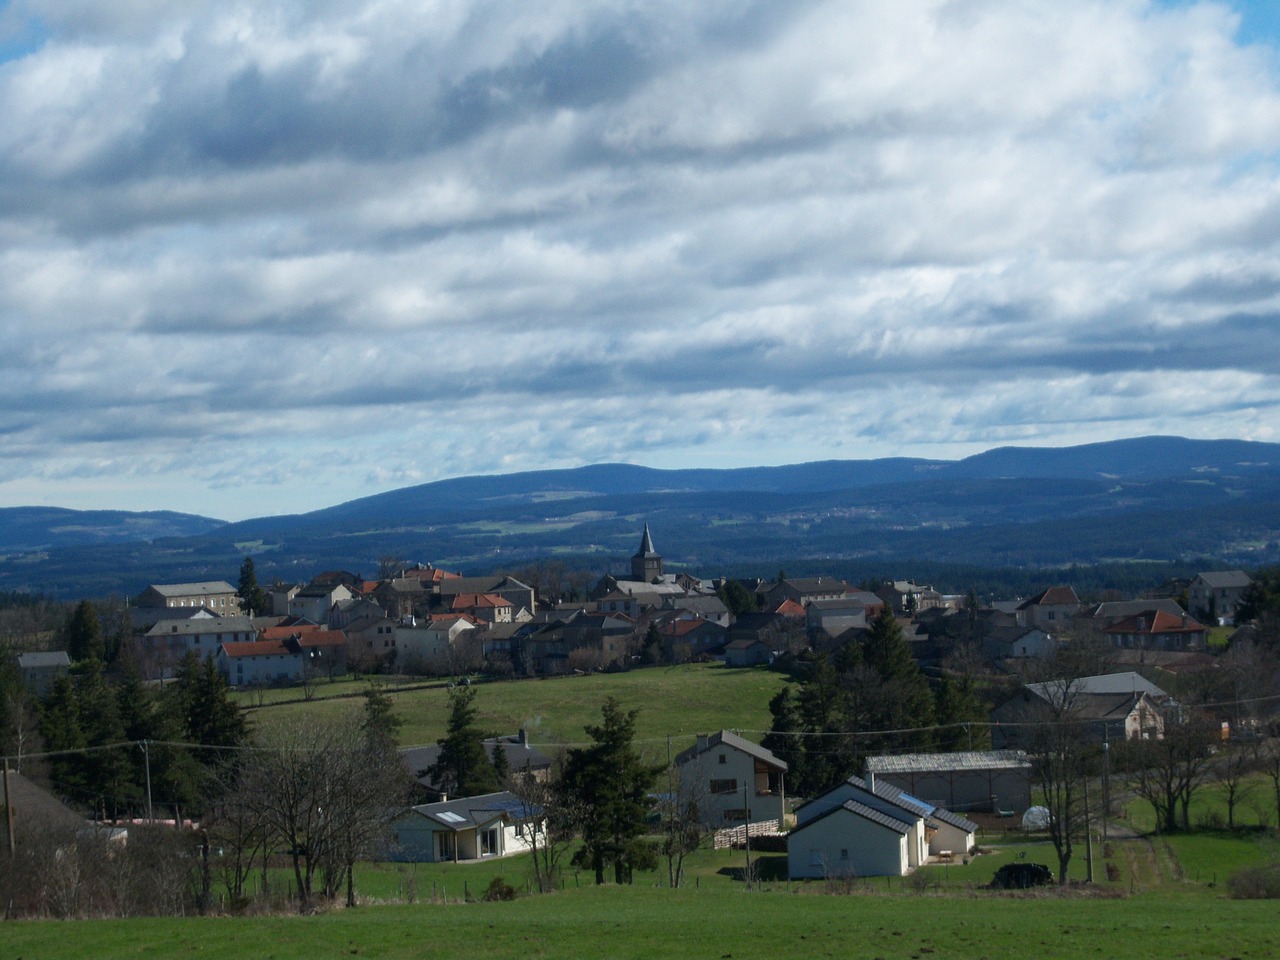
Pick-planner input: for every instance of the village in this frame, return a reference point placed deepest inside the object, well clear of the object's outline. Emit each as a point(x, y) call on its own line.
point(1117, 673)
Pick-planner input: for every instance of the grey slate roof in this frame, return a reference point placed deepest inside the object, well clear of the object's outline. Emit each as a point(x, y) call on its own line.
point(867, 813)
point(466, 813)
point(949, 762)
point(43, 660)
point(730, 739)
point(179, 628)
point(955, 820)
point(1222, 579)
point(1129, 682)
point(191, 589)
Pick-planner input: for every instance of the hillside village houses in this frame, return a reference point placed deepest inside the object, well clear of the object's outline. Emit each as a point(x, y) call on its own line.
point(424, 619)
point(904, 811)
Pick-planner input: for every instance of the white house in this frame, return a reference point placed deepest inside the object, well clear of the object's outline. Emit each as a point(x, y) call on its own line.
point(168, 641)
point(850, 839)
point(260, 662)
point(870, 828)
point(733, 780)
point(473, 828)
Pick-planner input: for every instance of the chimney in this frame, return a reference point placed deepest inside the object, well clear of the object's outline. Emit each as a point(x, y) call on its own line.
point(702, 742)
point(522, 738)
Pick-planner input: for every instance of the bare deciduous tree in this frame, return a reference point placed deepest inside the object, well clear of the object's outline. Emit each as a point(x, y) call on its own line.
point(1166, 772)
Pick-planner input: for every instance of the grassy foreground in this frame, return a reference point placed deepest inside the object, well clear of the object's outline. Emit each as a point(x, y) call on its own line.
point(640, 922)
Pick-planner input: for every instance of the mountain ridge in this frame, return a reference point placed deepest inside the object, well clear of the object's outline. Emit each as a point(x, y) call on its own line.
point(1142, 499)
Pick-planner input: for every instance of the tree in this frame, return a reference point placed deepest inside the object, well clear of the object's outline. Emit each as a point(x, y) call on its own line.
point(380, 721)
point(960, 710)
point(253, 599)
point(610, 782)
point(501, 768)
point(328, 792)
point(737, 598)
point(551, 816)
point(463, 767)
point(1234, 770)
point(84, 634)
point(681, 809)
point(1063, 755)
point(1168, 771)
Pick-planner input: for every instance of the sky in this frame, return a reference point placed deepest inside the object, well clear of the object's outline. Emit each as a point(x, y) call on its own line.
point(262, 258)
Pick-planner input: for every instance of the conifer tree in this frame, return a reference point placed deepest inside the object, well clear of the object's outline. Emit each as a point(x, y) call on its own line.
point(463, 768)
point(610, 783)
point(84, 634)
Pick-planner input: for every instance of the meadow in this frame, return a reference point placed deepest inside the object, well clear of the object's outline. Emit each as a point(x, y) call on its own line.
point(1153, 896)
point(701, 922)
point(677, 702)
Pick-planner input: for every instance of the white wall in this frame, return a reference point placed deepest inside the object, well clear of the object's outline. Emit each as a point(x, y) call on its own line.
point(846, 845)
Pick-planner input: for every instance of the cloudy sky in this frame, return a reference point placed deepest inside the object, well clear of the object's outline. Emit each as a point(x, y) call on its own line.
point(266, 257)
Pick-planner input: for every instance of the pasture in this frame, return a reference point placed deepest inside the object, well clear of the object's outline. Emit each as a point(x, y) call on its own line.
point(677, 701)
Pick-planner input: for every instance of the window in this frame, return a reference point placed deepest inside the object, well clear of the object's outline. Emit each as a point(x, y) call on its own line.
point(844, 853)
point(723, 758)
point(489, 842)
point(735, 816)
point(724, 786)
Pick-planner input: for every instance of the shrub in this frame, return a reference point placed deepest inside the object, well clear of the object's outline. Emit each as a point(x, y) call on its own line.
point(1020, 876)
point(1255, 883)
point(499, 889)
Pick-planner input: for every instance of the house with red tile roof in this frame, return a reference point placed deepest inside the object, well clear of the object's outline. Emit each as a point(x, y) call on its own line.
point(489, 607)
point(1050, 610)
point(1157, 630)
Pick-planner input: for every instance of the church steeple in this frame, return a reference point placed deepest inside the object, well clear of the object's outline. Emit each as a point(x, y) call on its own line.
point(646, 565)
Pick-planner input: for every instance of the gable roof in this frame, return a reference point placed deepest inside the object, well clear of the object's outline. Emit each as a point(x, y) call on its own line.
point(35, 806)
point(466, 813)
point(1222, 579)
point(729, 739)
point(1054, 596)
point(1116, 609)
point(1155, 621)
point(43, 660)
point(955, 820)
point(256, 648)
point(1052, 691)
point(901, 827)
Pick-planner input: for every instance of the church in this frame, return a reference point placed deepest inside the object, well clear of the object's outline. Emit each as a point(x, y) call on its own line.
point(647, 576)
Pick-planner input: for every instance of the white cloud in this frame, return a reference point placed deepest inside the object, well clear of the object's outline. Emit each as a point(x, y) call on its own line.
point(260, 258)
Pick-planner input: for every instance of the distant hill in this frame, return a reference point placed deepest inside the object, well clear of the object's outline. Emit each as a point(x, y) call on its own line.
point(38, 528)
point(1140, 501)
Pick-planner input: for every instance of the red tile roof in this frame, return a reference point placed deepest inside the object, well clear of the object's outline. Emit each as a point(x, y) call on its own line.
point(1156, 621)
point(257, 648)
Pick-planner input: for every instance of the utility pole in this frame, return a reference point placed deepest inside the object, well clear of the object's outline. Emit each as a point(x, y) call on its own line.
point(146, 762)
point(1106, 783)
point(8, 808)
point(746, 833)
point(1088, 834)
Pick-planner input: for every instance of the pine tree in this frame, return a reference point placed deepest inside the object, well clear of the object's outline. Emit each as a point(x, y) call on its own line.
point(501, 766)
point(253, 598)
point(380, 722)
point(610, 783)
point(463, 768)
point(84, 634)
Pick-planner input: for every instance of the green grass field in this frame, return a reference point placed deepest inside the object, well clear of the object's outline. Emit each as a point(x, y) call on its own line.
point(678, 701)
point(648, 922)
